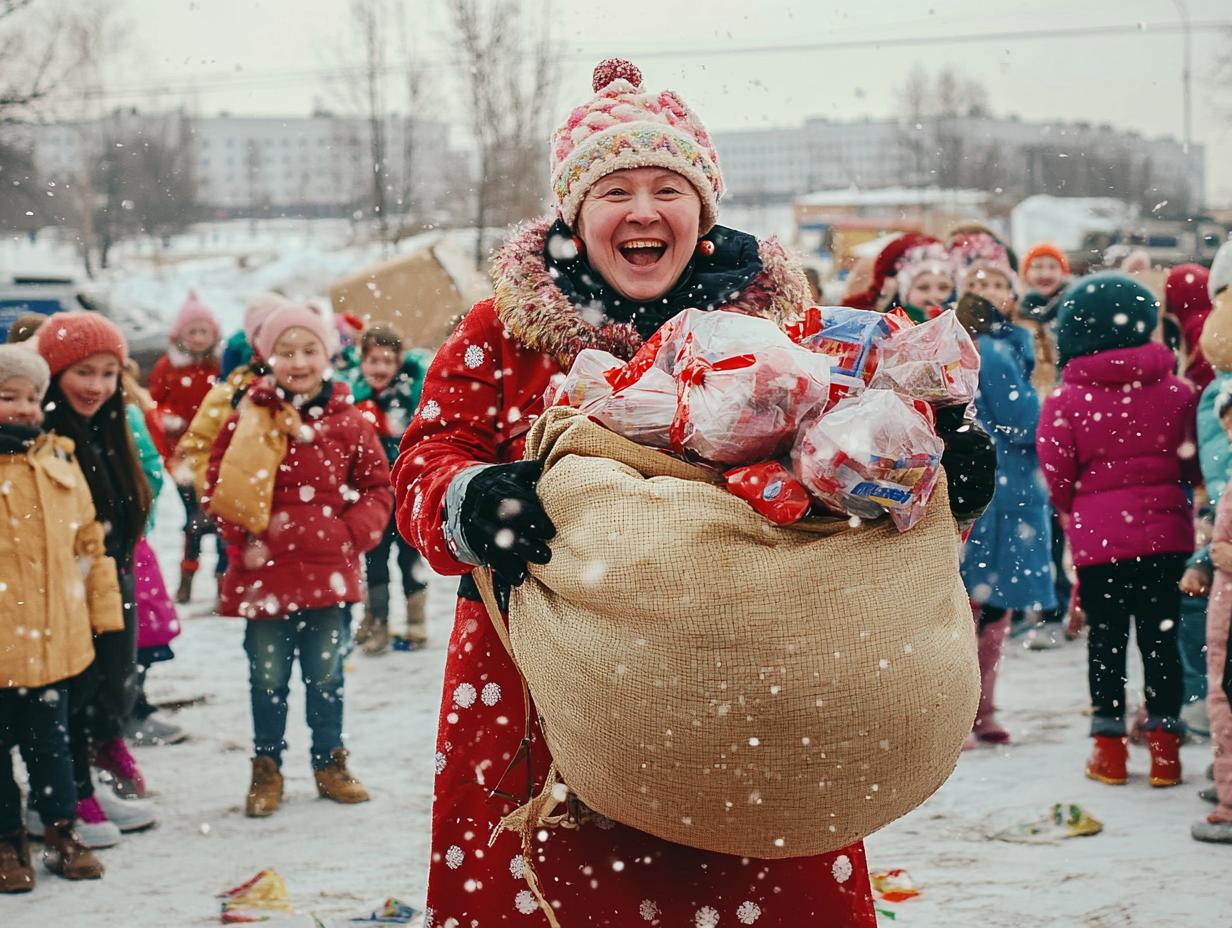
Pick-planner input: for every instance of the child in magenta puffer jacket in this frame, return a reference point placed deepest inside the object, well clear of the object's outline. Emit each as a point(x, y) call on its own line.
point(1118, 450)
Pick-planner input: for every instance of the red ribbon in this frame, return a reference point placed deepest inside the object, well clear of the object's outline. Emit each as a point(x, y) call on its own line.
point(693, 374)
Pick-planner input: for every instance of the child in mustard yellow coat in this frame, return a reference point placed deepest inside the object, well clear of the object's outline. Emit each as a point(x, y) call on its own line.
point(56, 587)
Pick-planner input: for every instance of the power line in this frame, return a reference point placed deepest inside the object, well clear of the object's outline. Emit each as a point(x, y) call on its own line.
point(272, 80)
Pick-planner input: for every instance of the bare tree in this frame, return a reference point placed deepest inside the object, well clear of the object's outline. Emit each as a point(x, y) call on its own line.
point(143, 179)
point(415, 83)
point(935, 118)
point(33, 57)
point(510, 75)
point(370, 18)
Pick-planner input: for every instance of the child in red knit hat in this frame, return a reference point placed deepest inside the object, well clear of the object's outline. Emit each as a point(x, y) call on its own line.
point(179, 382)
point(85, 353)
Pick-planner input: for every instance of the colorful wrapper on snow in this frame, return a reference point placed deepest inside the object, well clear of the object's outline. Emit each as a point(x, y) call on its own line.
point(894, 885)
point(613, 675)
point(1063, 820)
point(262, 898)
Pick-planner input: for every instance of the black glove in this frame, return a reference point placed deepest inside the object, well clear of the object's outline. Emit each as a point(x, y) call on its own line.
point(970, 462)
point(502, 521)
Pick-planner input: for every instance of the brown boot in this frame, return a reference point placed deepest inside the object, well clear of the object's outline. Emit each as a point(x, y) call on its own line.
point(377, 641)
point(265, 793)
point(65, 855)
point(337, 783)
point(364, 632)
point(184, 593)
point(16, 873)
point(417, 620)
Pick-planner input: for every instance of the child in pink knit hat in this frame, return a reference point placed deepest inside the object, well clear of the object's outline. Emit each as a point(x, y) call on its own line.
point(179, 382)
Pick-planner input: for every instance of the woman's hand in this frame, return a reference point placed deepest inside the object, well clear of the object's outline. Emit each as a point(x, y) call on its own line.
point(1221, 555)
point(502, 522)
point(1195, 582)
point(970, 462)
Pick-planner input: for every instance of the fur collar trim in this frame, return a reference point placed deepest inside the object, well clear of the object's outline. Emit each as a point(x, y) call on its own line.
point(541, 317)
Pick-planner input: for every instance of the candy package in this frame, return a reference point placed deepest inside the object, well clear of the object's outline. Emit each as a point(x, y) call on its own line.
point(849, 337)
point(736, 408)
point(641, 411)
point(588, 383)
point(874, 453)
point(935, 361)
point(771, 489)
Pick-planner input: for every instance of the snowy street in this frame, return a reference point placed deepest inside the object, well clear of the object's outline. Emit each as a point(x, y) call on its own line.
point(1143, 870)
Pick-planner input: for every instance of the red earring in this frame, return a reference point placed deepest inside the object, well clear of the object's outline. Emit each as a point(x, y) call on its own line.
point(705, 248)
point(579, 245)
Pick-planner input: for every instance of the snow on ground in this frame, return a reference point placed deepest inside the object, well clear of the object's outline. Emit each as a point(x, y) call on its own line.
point(1144, 870)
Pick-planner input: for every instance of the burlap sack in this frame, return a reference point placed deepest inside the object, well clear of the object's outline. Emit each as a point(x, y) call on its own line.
point(719, 682)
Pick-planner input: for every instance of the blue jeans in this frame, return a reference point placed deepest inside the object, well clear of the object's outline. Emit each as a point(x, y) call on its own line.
point(319, 637)
point(37, 721)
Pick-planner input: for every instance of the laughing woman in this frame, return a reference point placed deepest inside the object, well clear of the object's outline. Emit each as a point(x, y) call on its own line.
point(633, 241)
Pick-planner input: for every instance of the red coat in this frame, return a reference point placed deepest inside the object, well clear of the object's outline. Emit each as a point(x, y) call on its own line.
point(178, 384)
point(482, 390)
point(310, 556)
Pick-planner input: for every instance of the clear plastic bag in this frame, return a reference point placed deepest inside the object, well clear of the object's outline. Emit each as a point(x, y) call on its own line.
point(588, 383)
point(641, 411)
point(934, 361)
point(874, 453)
point(740, 405)
point(849, 337)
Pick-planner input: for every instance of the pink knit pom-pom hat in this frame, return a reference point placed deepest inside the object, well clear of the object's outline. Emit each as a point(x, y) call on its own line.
point(623, 126)
point(193, 310)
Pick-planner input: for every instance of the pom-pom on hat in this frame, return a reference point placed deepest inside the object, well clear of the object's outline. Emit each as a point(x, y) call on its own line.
point(1044, 250)
point(294, 316)
point(23, 361)
point(66, 338)
point(1103, 312)
point(624, 126)
point(192, 311)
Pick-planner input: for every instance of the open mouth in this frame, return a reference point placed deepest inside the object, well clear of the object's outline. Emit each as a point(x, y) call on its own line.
point(643, 252)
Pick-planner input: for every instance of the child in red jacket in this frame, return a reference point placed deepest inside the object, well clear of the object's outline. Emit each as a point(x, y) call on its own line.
point(296, 579)
point(179, 381)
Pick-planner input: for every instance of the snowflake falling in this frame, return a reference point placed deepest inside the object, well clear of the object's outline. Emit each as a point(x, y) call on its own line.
point(706, 917)
point(454, 857)
point(431, 410)
point(473, 357)
point(649, 910)
point(439, 762)
point(842, 869)
point(464, 695)
point(491, 694)
point(748, 913)
point(517, 867)
point(525, 902)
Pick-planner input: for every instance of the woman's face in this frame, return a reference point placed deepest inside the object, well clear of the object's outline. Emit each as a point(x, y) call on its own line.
point(929, 289)
point(299, 362)
point(90, 382)
point(640, 227)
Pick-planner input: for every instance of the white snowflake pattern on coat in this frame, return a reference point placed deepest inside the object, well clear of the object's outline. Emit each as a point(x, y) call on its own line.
point(454, 857)
point(649, 910)
point(706, 917)
point(464, 695)
point(473, 357)
point(525, 902)
point(491, 694)
point(438, 761)
point(841, 869)
point(517, 867)
point(748, 913)
point(431, 410)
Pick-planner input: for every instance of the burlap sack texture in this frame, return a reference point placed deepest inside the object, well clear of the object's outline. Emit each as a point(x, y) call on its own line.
point(723, 683)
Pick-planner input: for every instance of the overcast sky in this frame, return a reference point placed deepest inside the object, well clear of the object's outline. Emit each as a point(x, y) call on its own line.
point(272, 57)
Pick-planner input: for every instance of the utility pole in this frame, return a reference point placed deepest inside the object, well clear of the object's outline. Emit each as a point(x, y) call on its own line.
point(1187, 98)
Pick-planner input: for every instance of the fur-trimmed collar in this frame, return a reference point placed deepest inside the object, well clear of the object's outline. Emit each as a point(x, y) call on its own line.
point(542, 317)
